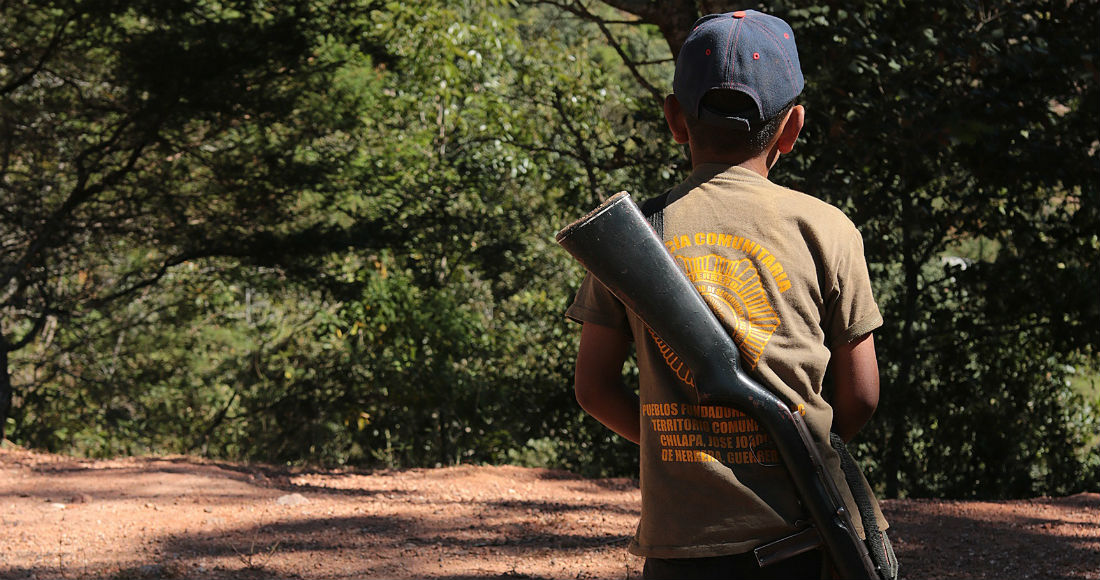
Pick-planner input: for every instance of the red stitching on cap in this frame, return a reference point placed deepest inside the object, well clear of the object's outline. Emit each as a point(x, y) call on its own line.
point(732, 41)
point(756, 56)
point(786, 61)
point(708, 52)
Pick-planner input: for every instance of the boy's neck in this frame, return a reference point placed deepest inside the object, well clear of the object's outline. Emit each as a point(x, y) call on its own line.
point(760, 164)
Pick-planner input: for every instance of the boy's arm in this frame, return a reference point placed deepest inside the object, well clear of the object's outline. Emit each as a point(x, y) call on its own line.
point(854, 367)
point(598, 385)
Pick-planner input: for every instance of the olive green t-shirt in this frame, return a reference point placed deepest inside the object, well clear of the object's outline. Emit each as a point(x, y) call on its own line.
point(786, 275)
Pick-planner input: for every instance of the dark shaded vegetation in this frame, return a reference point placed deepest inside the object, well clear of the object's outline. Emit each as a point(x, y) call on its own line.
point(321, 232)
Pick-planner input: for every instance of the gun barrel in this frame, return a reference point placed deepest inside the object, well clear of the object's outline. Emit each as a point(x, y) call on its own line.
point(616, 244)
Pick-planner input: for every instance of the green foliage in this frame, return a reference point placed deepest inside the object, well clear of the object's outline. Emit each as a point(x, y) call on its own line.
point(541, 452)
point(962, 153)
point(321, 232)
point(139, 135)
point(425, 326)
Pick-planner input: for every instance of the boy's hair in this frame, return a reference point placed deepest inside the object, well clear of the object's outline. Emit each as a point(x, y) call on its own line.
point(746, 144)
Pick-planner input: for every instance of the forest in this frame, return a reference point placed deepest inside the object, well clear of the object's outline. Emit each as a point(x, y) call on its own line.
point(321, 232)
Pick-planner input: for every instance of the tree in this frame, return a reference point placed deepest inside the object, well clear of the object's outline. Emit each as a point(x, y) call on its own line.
point(969, 155)
point(450, 336)
point(321, 233)
point(135, 136)
point(417, 291)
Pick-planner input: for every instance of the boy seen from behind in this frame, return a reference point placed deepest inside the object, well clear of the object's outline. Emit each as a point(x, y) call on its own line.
point(786, 275)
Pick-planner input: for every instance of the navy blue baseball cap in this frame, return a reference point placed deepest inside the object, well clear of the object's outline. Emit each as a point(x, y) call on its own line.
point(744, 51)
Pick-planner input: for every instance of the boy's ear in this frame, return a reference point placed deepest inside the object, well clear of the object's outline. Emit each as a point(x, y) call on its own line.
point(677, 123)
point(791, 128)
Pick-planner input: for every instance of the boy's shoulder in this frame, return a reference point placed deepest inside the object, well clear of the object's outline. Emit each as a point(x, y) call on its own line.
point(818, 208)
point(744, 186)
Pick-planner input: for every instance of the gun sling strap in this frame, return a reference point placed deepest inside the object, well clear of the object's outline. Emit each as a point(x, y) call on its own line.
point(878, 543)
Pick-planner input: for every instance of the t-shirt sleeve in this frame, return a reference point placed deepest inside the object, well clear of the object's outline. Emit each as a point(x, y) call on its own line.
point(853, 312)
point(596, 304)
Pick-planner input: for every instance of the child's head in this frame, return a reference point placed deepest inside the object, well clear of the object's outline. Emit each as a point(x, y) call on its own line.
point(737, 78)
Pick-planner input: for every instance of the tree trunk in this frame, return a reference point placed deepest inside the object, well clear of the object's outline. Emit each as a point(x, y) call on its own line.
point(898, 429)
point(673, 18)
point(5, 387)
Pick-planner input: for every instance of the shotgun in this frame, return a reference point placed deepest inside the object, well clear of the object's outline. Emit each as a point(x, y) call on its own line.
point(617, 245)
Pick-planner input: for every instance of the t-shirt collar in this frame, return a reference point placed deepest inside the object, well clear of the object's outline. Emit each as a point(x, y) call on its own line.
point(707, 171)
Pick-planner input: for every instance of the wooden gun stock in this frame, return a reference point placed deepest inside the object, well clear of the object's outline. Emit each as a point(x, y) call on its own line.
point(617, 246)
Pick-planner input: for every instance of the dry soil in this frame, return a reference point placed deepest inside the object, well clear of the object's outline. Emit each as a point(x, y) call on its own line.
point(182, 517)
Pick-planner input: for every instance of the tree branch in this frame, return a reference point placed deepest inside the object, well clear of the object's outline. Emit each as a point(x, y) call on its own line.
point(27, 338)
point(674, 18)
point(47, 54)
point(581, 11)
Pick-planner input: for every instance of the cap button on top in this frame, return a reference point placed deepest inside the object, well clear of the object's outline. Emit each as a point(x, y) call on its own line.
point(738, 14)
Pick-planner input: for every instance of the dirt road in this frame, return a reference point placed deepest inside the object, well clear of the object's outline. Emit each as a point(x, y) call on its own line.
point(181, 517)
